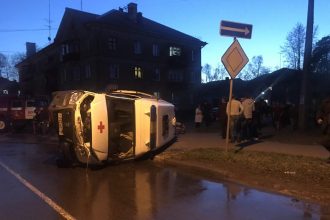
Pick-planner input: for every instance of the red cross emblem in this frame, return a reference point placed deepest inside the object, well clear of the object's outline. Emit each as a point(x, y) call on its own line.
point(101, 127)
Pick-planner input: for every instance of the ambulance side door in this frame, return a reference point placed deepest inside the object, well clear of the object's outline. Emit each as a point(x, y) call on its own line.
point(99, 115)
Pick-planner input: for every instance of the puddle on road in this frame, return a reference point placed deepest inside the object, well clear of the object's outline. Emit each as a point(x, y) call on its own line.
point(144, 191)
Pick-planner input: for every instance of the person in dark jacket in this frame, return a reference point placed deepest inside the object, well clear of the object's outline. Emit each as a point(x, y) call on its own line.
point(323, 119)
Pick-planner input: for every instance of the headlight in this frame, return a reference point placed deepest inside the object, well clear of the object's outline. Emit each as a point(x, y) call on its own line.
point(74, 97)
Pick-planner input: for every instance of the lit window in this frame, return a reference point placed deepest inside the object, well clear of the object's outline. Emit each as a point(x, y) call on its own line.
point(138, 72)
point(114, 71)
point(155, 50)
point(112, 43)
point(175, 51)
point(137, 47)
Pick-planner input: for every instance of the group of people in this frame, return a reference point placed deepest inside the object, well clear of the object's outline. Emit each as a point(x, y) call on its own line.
point(242, 125)
point(245, 118)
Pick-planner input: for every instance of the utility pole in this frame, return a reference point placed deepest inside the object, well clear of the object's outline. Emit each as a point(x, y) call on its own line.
point(306, 66)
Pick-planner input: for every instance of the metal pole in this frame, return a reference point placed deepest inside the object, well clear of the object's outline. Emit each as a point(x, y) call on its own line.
point(229, 110)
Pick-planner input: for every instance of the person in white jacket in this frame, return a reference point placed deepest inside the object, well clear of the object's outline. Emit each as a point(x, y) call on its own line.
point(198, 116)
point(236, 110)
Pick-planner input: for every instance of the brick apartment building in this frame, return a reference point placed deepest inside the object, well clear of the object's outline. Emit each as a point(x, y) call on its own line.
point(119, 49)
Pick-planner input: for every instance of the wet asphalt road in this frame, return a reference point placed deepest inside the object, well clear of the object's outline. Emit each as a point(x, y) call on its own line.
point(32, 187)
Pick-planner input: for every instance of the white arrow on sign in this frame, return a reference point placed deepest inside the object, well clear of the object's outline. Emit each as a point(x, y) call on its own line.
point(245, 30)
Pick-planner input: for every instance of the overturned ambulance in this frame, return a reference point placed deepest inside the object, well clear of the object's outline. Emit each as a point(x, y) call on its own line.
point(95, 128)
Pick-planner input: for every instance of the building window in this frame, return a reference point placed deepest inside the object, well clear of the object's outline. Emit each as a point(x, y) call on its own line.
point(137, 47)
point(192, 55)
point(65, 49)
point(155, 50)
point(112, 43)
point(156, 75)
point(114, 71)
point(64, 76)
point(88, 72)
point(175, 51)
point(138, 72)
point(71, 47)
point(193, 77)
point(76, 74)
point(175, 76)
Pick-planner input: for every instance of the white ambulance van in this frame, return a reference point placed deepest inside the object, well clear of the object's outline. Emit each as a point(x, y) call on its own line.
point(95, 128)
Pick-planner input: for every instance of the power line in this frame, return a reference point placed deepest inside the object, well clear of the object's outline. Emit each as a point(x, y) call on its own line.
point(26, 30)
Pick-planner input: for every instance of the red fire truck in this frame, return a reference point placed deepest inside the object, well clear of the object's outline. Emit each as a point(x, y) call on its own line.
point(17, 112)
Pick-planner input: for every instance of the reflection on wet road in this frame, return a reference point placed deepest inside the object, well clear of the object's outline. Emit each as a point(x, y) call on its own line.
point(141, 190)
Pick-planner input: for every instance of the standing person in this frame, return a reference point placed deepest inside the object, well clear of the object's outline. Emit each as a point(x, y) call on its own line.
point(223, 116)
point(236, 110)
point(206, 110)
point(323, 119)
point(198, 116)
point(248, 109)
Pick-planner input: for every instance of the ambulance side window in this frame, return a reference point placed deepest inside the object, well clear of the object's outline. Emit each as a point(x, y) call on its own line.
point(165, 125)
point(85, 112)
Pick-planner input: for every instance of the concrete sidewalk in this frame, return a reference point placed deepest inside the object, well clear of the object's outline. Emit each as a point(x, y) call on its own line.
point(194, 140)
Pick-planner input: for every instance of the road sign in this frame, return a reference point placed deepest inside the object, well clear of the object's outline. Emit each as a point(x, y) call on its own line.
point(234, 59)
point(234, 29)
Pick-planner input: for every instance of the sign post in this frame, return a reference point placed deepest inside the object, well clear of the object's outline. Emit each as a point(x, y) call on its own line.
point(234, 59)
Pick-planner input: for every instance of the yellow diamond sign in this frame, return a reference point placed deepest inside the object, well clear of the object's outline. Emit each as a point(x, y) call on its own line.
point(234, 59)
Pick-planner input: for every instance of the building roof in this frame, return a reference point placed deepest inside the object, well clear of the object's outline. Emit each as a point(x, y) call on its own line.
point(119, 20)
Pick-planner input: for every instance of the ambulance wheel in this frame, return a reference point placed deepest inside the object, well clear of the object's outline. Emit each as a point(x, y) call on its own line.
point(3, 125)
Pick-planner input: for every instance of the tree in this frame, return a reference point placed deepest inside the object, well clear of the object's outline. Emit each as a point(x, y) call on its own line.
point(255, 68)
point(207, 71)
point(320, 61)
point(3, 64)
point(219, 72)
point(7, 65)
point(293, 48)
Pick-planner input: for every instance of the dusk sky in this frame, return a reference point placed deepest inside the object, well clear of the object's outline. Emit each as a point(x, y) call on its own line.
point(21, 21)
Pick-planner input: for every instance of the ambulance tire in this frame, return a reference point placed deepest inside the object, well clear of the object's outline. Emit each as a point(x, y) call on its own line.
point(3, 125)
